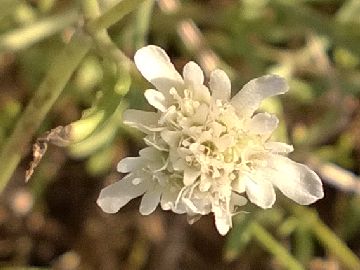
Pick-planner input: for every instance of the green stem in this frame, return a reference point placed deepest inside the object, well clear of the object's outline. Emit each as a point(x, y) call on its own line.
point(24, 37)
point(328, 238)
point(101, 37)
point(113, 15)
point(35, 112)
point(143, 17)
point(51, 87)
point(273, 246)
point(303, 244)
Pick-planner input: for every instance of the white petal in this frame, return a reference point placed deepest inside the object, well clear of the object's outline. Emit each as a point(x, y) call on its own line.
point(295, 180)
point(115, 196)
point(263, 123)
point(150, 153)
point(260, 191)
point(248, 99)
point(192, 73)
point(154, 140)
point(154, 64)
point(279, 147)
point(153, 159)
point(220, 85)
point(174, 157)
point(130, 164)
point(142, 120)
point(237, 199)
point(191, 219)
point(156, 99)
point(201, 93)
point(222, 221)
point(205, 183)
point(168, 199)
point(172, 138)
point(190, 205)
point(224, 142)
point(201, 114)
point(179, 164)
point(217, 129)
point(190, 175)
point(150, 201)
point(202, 202)
point(238, 185)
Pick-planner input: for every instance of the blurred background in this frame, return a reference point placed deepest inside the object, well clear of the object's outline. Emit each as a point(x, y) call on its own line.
point(53, 222)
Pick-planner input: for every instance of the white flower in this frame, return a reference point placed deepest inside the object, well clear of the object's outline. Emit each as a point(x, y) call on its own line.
point(206, 151)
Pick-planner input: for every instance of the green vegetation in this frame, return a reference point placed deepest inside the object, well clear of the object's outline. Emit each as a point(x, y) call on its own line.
point(66, 66)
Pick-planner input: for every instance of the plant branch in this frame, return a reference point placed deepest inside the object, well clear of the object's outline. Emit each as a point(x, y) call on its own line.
point(50, 89)
point(113, 15)
point(23, 38)
point(273, 246)
point(35, 112)
point(328, 238)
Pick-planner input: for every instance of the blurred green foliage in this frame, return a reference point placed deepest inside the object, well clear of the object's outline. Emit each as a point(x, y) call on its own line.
point(315, 44)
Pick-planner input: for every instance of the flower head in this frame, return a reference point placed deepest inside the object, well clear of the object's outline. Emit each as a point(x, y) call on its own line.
point(206, 152)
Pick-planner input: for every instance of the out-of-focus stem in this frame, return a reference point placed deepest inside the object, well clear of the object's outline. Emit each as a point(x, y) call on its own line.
point(41, 102)
point(113, 15)
point(51, 87)
point(303, 244)
point(273, 246)
point(101, 38)
point(143, 16)
point(24, 37)
point(328, 238)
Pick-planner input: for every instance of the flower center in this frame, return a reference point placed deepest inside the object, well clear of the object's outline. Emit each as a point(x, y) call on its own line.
point(212, 137)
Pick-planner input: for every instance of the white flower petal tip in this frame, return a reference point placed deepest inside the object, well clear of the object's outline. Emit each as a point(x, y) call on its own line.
point(206, 153)
point(296, 181)
point(109, 203)
point(315, 188)
point(115, 196)
point(261, 192)
point(279, 147)
point(263, 123)
point(193, 75)
point(129, 164)
point(220, 85)
point(154, 64)
point(144, 121)
point(156, 99)
point(150, 201)
point(222, 223)
point(249, 98)
point(223, 229)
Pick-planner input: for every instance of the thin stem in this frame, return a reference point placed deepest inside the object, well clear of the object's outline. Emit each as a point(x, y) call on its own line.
point(35, 112)
point(303, 244)
point(50, 89)
point(114, 14)
point(23, 38)
point(143, 17)
point(328, 238)
point(109, 103)
point(101, 37)
point(273, 246)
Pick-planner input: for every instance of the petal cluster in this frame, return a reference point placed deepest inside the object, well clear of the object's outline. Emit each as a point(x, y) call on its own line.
point(206, 152)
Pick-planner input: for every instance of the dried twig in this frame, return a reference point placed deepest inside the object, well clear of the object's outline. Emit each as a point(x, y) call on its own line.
point(58, 136)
